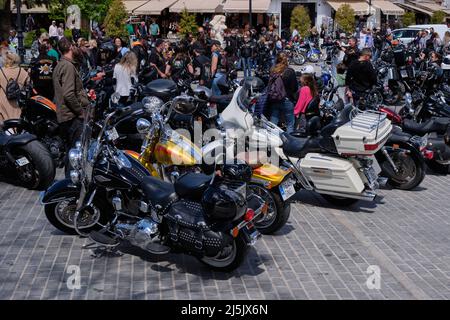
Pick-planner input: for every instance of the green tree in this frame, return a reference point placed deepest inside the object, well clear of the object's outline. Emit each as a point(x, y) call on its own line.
point(115, 20)
point(5, 13)
point(345, 18)
point(300, 20)
point(93, 10)
point(409, 18)
point(188, 24)
point(438, 16)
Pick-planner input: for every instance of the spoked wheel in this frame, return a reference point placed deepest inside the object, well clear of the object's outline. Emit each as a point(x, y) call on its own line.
point(277, 214)
point(62, 215)
point(410, 171)
point(230, 257)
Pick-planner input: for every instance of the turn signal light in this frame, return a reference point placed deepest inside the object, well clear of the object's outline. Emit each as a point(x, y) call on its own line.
point(249, 215)
point(235, 232)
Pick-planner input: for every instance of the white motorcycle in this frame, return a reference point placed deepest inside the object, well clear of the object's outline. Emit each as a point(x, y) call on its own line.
point(336, 161)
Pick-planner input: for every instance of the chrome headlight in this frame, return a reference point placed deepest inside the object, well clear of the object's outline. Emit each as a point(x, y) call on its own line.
point(152, 104)
point(75, 158)
point(122, 161)
point(143, 126)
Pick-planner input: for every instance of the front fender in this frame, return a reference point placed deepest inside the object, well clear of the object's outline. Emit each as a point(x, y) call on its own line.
point(60, 190)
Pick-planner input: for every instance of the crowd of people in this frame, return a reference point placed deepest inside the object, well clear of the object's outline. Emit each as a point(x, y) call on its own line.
point(58, 63)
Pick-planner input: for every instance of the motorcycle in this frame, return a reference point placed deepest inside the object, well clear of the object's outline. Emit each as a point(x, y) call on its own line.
point(110, 197)
point(24, 159)
point(337, 161)
point(167, 154)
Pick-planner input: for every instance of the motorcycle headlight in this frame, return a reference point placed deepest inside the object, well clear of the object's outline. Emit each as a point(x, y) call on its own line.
point(75, 158)
point(143, 126)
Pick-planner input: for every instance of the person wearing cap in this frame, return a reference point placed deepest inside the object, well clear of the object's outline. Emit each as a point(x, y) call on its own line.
point(216, 67)
point(157, 60)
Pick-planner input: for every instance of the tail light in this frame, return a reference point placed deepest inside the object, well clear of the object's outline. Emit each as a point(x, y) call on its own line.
point(249, 215)
point(371, 147)
point(427, 154)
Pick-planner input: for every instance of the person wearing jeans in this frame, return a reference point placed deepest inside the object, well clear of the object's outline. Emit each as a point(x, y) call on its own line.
point(285, 107)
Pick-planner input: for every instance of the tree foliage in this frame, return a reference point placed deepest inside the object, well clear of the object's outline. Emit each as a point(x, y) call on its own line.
point(300, 20)
point(409, 18)
point(345, 18)
point(438, 16)
point(93, 10)
point(116, 19)
point(188, 23)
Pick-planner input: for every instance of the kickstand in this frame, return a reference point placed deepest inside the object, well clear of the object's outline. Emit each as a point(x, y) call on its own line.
point(98, 250)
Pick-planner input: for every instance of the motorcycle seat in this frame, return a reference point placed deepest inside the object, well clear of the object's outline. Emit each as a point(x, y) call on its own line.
point(438, 125)
point(127, 110)
point(298, 147)
point(159, 193)
point(162, 88)
point(398, 136)
point(192, 185)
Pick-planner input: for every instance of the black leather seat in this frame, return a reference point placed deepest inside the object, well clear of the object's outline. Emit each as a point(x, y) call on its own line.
point(398, 136)
point(159, 193)
point(299, 147)
point(438, 125)
point(192, 185)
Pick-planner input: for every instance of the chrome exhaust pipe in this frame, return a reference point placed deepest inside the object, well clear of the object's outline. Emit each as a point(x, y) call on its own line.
point(365, 196)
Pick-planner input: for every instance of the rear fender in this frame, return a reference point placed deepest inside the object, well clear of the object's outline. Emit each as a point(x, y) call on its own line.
point(60, 190)
point(18, 123)
point(20, 140)
point(269, 176)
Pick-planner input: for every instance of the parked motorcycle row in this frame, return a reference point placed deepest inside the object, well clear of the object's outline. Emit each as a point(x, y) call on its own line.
point(142, 174)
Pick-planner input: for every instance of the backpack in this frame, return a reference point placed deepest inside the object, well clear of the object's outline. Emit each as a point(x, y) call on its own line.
point(12, 90)
point(276, 90)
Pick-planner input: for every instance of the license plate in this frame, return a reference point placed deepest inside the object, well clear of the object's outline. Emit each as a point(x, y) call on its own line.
point(287, 189)
point(371, 175)
point(112, 134)
point(22, 161)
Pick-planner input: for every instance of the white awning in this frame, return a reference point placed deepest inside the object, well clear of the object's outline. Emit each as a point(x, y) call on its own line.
point(23, 9)
point(241, 6)
point(388, 8)
point(361, 8)
point(198, 6)
point(154, 7)
point(132, 5)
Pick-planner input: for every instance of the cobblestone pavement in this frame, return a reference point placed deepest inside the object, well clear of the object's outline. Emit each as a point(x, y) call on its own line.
point(322, 253)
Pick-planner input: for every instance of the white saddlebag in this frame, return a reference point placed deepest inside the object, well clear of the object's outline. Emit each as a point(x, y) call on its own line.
point(331, 173)
point(365, 134)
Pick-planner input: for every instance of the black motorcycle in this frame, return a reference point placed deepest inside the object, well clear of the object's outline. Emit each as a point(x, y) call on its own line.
point(26, 161)
point(111, 198)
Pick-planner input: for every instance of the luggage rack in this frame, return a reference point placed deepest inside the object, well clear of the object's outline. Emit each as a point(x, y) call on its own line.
point(367, 120)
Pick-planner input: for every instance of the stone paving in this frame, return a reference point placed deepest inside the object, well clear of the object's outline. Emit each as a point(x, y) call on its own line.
point(322, 253)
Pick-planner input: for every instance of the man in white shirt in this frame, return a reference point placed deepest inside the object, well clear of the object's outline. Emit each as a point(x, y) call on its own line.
point(53, 32)
point(294, 33)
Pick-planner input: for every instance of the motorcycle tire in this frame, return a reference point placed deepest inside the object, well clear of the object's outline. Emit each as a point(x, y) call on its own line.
point(338, 201)
point(438, 167)
point(62, 223)
point(232, 261)
point(299, 59)
point(278, 212)
point(40, 172)
point(396, 180)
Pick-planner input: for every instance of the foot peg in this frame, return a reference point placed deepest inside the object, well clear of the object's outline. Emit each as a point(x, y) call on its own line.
point(157, 248)
point(103, 239)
